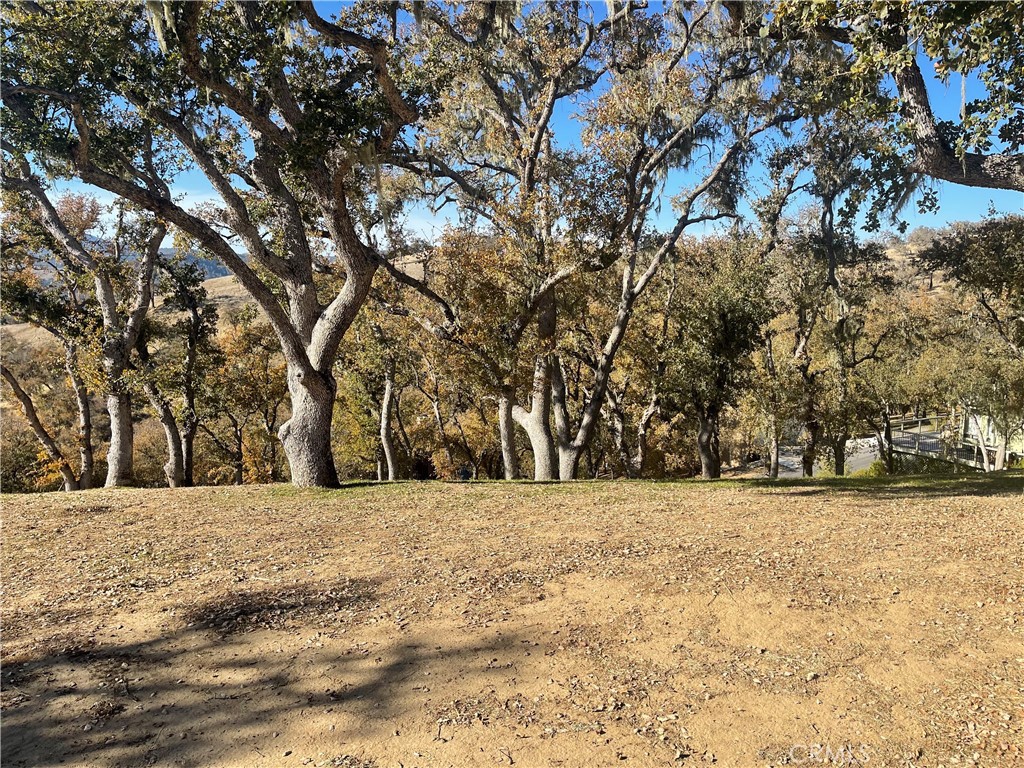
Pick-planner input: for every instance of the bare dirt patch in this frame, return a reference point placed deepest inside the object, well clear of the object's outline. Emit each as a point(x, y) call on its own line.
point(512, 624)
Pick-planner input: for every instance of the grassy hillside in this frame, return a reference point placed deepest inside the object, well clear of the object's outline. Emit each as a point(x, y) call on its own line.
point(516, 624)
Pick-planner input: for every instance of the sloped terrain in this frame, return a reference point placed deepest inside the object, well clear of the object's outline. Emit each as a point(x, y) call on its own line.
point(591, 624)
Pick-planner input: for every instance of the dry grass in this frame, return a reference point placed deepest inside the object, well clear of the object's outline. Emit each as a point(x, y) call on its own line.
point(457, 625)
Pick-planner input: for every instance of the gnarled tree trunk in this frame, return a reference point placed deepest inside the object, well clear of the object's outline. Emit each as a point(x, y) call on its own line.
point(306, 436)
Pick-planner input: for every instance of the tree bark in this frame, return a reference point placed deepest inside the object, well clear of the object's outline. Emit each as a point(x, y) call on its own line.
point(1000, 462)
point(306, 436)
point(239, 456)
point(617, 425)
point(810, 454)
point(537, 421)
point(839, 449)
point(986, 465)
point(174, 469)
point(86, 454)
point(188, 441)
point(507, 435)
point(885, 447)
point(122, 440)
point(773, 454)
point(934, 156)
point(386, 407)
point(42, 435)
point(708, 444)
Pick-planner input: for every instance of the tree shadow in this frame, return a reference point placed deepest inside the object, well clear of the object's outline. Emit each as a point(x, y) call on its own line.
point(1006, 483)
point(213, 691)
point(277, 608)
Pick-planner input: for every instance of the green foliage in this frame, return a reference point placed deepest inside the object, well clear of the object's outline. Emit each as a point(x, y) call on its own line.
point(986, 259)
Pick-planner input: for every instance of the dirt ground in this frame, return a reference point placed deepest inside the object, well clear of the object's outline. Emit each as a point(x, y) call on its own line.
point(592, 624)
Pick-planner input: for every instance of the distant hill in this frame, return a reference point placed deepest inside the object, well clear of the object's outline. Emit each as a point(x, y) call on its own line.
point(210, 267)
point(224, 291)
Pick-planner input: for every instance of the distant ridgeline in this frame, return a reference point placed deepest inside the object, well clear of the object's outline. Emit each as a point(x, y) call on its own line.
point(210, 267)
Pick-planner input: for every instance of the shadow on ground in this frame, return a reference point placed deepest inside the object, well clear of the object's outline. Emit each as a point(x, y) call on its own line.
point(918, 486)
point(206, 694)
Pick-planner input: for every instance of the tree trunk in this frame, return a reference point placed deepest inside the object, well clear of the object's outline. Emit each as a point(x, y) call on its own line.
point(810, 454)
point(538, 430)
point(507, 434)
point(537, 421)
point(568, 462)
point(86, 454)
point(983, 445)
point(1000, 462)
point(122, 440)
point(569, 450)
point(188, 441)
point(386, 407)
point(708, 445)
point(885, 448)
point(773, 453)
point(839, 449)
point(44, 437)
point(446, 443)
point(239, 455)
point(174, 469)
point(640, 457)
point(617, 425)
point(306, 436)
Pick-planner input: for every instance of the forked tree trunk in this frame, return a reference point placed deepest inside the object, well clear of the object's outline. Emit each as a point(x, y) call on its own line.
point(538, 429)
point(537, 421)
point(708, 444)
point(122, 440)
point(507, 434)
point(306, 436)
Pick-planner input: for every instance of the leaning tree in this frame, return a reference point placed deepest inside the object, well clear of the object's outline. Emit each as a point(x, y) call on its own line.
point(287, 115)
